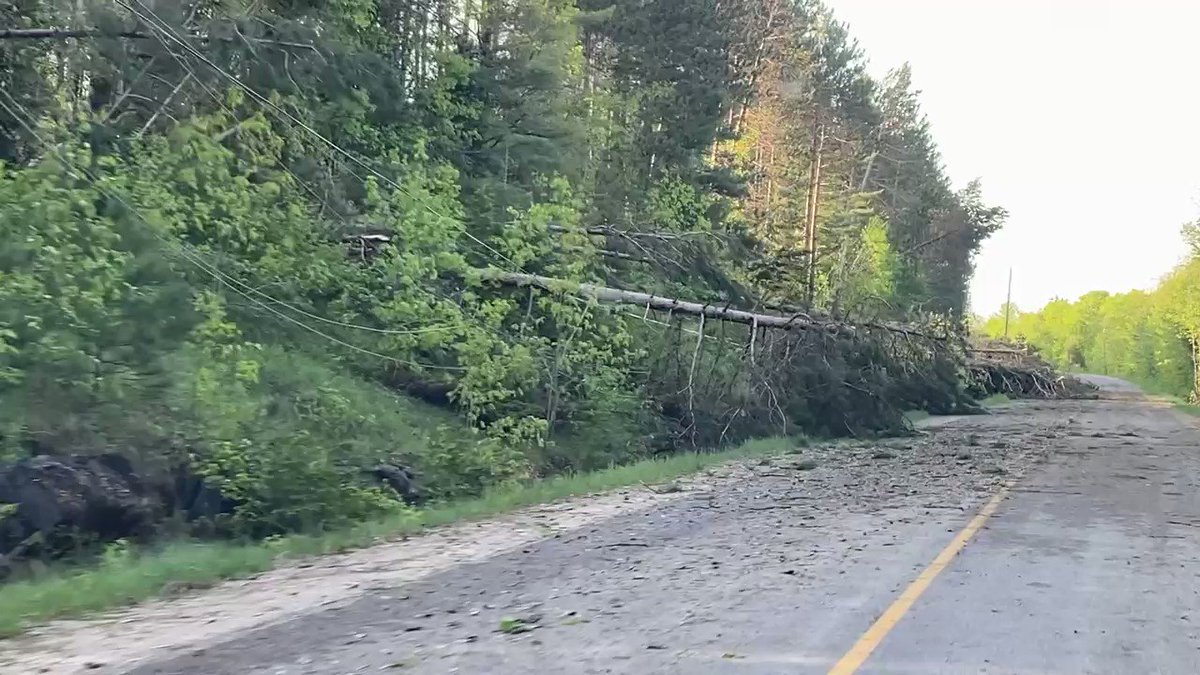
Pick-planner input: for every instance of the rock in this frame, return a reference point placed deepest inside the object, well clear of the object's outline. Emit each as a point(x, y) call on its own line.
point(194, 499)
point(63, 501)
point(400, 479)
point(100, 496)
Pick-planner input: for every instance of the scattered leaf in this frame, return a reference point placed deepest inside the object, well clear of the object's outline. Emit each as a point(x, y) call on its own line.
point(515, 626)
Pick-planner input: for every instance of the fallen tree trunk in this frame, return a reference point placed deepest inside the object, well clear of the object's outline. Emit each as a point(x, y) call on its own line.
point(985, 350)
point(605, 231)
point(719, 312)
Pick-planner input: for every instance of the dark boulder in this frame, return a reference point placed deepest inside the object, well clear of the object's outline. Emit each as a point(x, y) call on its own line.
point(400, 479)
point(99, 497)
point(191, 498)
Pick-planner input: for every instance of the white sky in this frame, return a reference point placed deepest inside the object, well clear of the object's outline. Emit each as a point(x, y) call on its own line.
point(1082, 117)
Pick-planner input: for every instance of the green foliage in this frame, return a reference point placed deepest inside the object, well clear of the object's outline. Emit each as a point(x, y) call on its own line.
point(861, 280)
point(175, 283)
point(78, 288)
point(515, 626)
point(1146, 337)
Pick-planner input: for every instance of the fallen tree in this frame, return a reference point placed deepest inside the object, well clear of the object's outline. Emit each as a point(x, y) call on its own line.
point(796, 321)
point(1019, 372)
point(740, 373)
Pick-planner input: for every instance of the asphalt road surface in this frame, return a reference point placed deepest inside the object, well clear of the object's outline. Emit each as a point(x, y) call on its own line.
point(1050, 537)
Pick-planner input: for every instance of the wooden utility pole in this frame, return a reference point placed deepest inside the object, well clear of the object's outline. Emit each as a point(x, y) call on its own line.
point(1008, 304)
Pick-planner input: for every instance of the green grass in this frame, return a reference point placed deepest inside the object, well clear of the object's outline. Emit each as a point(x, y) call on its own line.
point(914, 416)
point(124, 576)
point(1176, 402)
point(1186, 408)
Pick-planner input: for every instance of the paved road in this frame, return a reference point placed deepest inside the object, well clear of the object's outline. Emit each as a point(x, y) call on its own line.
point(1092, 565)
point(1088, 565)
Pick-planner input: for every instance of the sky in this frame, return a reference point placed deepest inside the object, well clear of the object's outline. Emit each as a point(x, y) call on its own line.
point(1082, 118)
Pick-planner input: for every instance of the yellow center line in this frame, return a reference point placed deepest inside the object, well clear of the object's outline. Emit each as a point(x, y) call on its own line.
point(879, 630)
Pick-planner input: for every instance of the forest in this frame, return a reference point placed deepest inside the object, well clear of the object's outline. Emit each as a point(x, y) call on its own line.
point(1151, 338)
point(271, 245)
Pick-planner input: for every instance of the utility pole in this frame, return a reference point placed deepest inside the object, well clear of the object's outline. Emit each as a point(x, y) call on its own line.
point(1008, 304)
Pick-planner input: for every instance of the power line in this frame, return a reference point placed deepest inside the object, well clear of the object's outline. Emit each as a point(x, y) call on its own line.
point(12, 107)
point(66, 34)
point(161, 28)
point(157, 23)
point(232, 280)
point(87, 33)
point(309, 189)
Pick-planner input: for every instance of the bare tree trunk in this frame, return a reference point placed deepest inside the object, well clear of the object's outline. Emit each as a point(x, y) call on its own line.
point(609, 295)
point(1195, 340)
point(862, 187)
point(770, 181)
point(814, 198)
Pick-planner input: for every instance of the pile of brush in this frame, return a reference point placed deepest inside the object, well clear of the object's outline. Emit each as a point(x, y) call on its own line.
point(1016, 370)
